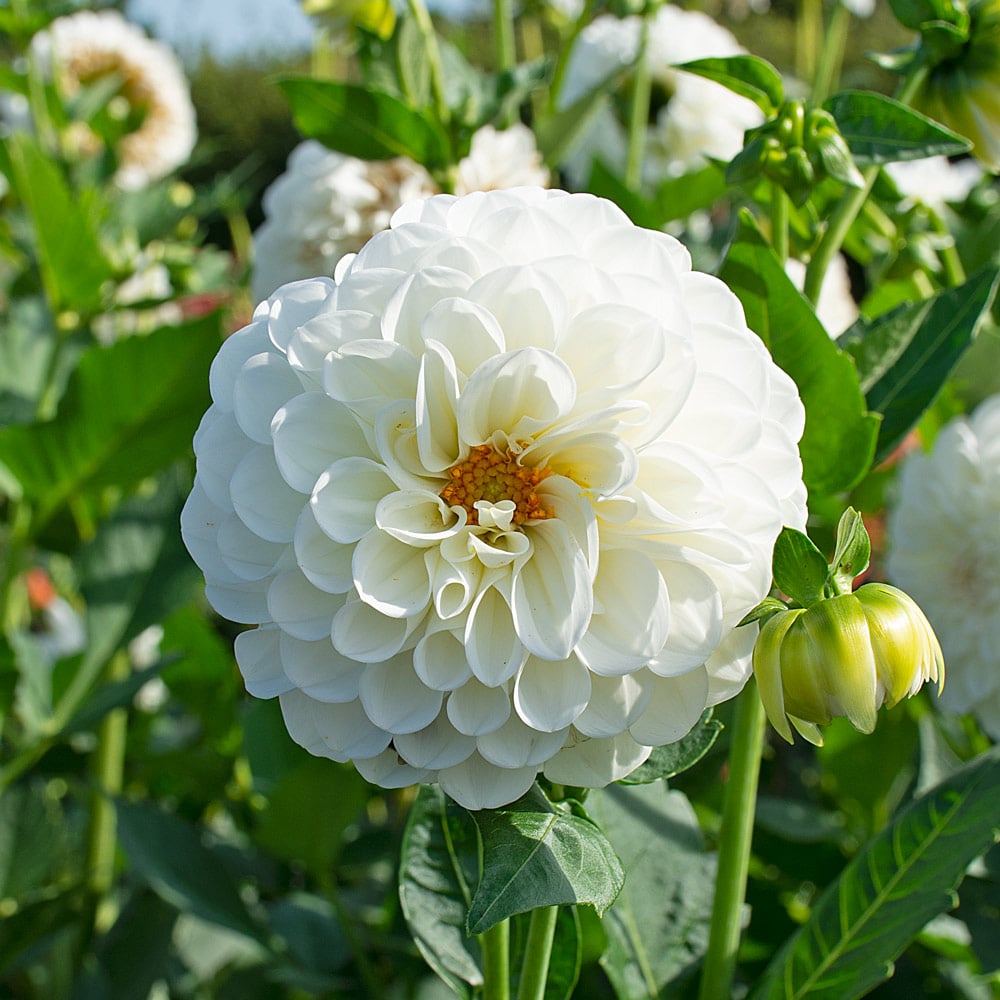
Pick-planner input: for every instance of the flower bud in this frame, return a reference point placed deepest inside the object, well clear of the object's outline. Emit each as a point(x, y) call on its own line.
point(844, 656)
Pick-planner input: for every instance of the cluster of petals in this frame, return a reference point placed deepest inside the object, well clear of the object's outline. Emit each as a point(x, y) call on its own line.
point(497, 496)
point(700, 119)
point(327, 204)
point(944, 550)
point(88, 46)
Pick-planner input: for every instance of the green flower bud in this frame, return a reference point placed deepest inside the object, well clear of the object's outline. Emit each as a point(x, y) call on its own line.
point(375, 16)
point(844, 656)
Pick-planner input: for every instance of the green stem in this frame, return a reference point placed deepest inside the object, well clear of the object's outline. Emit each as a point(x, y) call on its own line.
point(808, 32)
point(954, 272)
point(108, 767)
point(735, 838)
point(503, 35)
point(779, 222)
point(851, 203)
point(566, 50)
point(423, 18)
point(537, 952)
point(639, 112)
point(831, 54)
point(496, 961)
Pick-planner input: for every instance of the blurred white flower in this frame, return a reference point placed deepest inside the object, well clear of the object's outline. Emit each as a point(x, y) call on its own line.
point(935, 180)
point(90, 46)
point(836, 307)
point(701, 119)
point(59, 630)
point(501, 159)
point(497, 496)
point(944, 538)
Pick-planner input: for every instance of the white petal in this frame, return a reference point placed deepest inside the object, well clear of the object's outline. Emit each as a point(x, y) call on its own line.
point(294, 304)
point(455, 585)
point(516, 745)
point(418, 518)
point(200, 521)
point(435, 746)
point(440, 662)
point(395, 698)
point(475, 709)
point(600, 462)
point(437, 399)
point(313, 341)
point(300, 608)
point(317, 669)
point(346, 496)
point(235, 350)
point(263, 501)
point(297, 711)
point(520, 392)
point(391, 576)
point(470, 333)
point(596, 763)
point(346, 730)
point(248, 555)
point(477, 784)
point(529, 306)
point(695, 620)
point(386, 771)
point(395, 436)
point(495, 550)
point(310, 432)
point(245, 603)
point(415, 297)
point(729, 667)
point(326, 563)
point(264, 384)
point(260, 663)
point(220, 445)
point(675, 706)
point(367, 374)
point(494, 651)
point(362, 633)
point(551, 597)
point(615, 703)
point(573, 508)
point(635, 616)
point(548, 696)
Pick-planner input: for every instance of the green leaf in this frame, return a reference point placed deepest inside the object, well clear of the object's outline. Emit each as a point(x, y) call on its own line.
point(365, 123)
point(839, 439)
point(674, 758)
point(168, 854)
point(558, 134)
point(439, 870)
point(137, 949)
point(906, 355)
point(678, 197)
point(748, 76)
point(853, 551)
point(800, 569)
point(73, 264)
point(905, 876)
point(27, 931)
point(879, 129)
point(32, 840)
point(110, 696)
point(27, 349)
point(658, 927)
point(539, 854)
point(914, 13)
point(129, 410)
point(504, 93)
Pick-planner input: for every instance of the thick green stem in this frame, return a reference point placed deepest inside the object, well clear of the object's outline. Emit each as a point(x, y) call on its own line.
point(779, 222)
point(496, 961)
point(735, 838)
point(954, 272)
point(639, 112)
point(808, 35)
point(831, 54)
point(423, 18)
point(503, 36)
point(537, 952)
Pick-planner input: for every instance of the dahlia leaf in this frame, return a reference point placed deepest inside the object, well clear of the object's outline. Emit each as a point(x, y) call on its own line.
point(129, 410)
point(657, 928)
point(169, 856)
point(800, 569)
point(839, 439)
point(749, 76)
point(905, 876)
point(905, 356)
point(674, 758)
point(73, 265)
point(539, 854)
point(439, 870)
point(879, 129)
point(369, 124)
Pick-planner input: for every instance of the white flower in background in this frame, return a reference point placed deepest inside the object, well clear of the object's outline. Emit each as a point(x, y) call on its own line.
point(944, 537)
point(501, 159)
point(935, 180)
point(89, 46)
point(836, 307)
point(700, 120)
point(59, 630)
point(327, 204)
point(497, 496)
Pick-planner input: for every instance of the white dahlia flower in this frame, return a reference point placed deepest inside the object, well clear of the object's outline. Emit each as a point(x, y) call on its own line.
point(935, 180)
point(700, 120)
point(497, 496)
point(501, 159)
point(944, 550)
point(89, 46)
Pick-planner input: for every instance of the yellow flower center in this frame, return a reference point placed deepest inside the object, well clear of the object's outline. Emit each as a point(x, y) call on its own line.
point(489, 477)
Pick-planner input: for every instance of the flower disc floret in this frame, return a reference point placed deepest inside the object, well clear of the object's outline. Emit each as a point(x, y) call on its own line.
point(496, 497)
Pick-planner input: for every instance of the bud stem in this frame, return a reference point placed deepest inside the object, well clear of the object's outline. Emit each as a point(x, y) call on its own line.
point(639, 113)
point(496, 961)
point(735, 837)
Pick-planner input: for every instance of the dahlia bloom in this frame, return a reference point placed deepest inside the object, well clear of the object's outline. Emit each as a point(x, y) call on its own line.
point(496, 497)
point(944, 548)
point(700, 120)
point(327, 204)
point(935, 180)
point(88, 46)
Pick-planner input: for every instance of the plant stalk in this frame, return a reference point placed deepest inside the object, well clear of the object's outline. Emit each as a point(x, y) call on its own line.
point(779, 222)
point(639, 112)
point(496, 961)
point(735, 837)
point(537, 952)
point(423, 18)
point(831, 54)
